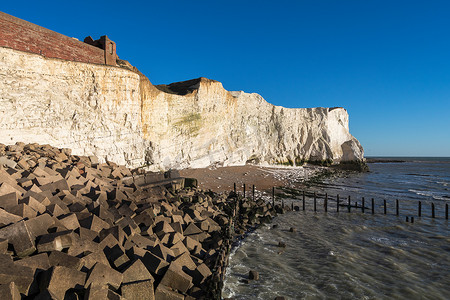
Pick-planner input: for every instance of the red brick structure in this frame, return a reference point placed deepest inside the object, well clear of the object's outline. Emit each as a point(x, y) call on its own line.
point(21, 35)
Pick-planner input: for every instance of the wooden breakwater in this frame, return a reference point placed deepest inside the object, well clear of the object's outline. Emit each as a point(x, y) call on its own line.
point(371, 206)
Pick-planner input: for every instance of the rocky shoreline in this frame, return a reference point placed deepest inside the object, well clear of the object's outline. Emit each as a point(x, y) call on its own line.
point(74, 228)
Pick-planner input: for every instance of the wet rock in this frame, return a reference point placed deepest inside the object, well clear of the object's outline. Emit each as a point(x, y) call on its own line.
point(292, 229)
point(282, 244)
point(253, 275)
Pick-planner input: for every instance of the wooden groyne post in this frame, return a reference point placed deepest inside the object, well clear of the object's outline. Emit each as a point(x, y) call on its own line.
point(420, 209)
point(244, 190)
point(396, 207)
point(349, 204)
point(363, 205)
point(303, 200)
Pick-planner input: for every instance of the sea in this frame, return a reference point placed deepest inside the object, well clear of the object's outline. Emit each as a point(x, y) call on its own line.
point(354, 255)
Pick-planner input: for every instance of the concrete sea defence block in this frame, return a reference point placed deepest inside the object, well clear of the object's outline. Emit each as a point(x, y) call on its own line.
point(175, 278)
point(103, 274)
point(20, 237)
point(59, 279)
point(9, 291)
point(164, 292)
point(113, 237)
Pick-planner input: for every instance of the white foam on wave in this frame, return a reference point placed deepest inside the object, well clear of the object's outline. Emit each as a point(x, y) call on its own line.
point(428, 194)
point(422, 193)
point(381, 240)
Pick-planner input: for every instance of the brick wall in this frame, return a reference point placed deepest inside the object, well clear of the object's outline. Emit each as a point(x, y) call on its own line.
point(25, 36)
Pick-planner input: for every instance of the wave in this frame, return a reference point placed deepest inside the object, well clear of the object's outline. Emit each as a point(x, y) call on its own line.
point(422, 175)
point(430, 194)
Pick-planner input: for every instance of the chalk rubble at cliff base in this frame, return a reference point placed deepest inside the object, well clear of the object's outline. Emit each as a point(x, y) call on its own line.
point(74, 228)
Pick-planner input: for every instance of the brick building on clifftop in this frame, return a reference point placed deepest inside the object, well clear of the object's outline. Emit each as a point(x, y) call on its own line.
point(21, 35)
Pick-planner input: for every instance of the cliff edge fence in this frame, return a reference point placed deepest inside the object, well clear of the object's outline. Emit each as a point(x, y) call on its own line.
point(71, 94)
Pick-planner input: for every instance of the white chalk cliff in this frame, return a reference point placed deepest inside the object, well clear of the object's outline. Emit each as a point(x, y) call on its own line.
point(118, 115)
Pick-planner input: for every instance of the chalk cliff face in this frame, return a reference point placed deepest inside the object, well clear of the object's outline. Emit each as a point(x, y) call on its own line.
point(90, 108)
point(117, 114)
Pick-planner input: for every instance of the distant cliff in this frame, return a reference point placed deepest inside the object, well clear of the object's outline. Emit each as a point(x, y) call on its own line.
point(117, 114)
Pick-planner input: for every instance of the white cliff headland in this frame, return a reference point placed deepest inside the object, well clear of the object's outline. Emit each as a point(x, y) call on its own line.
point(116, 114)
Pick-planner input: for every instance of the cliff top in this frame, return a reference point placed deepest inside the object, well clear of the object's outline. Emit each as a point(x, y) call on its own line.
point(183, 87)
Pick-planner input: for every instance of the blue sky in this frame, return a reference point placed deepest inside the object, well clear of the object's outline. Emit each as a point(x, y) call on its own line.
point(386, 62)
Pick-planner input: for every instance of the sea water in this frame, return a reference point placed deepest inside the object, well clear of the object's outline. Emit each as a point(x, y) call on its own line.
point(341, 255)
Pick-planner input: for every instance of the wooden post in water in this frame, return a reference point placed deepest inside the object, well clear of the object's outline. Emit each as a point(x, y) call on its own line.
point(292, 205)
point(396, 207)
point(315, 208)
point(373, 206)
point(253, 191)
point(303, 200)
point(432, 210)
point(385, 206)
point(349, 204)
point(407, 219)
point(235, 187)
point(362, 205)
point(420, 209)
point(412, 219)
point(337, 203)
point(273, 196)
point(282, 203)
point(244, 190)
point(446, 211)
point(325, 203)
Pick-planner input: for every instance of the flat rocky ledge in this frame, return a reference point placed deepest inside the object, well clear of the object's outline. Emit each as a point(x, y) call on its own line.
point(72, 228)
